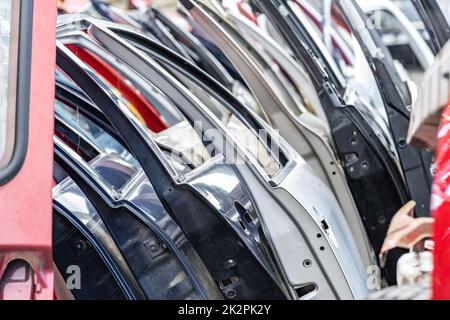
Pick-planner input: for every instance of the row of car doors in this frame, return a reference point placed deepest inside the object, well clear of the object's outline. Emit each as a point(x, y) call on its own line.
point(237, 158)
point(206, 149)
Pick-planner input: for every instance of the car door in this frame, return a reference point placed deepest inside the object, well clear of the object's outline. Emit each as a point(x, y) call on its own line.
point(301, 129)
point(415, 162)
point(26, 124)
point(355, 125)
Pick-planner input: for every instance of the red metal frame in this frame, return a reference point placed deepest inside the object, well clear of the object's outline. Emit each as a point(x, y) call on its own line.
point(441, 211)
point(151, 116)
point(26, 201)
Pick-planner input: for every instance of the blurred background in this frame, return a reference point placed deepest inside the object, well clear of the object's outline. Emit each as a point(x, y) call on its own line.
point(73, 5)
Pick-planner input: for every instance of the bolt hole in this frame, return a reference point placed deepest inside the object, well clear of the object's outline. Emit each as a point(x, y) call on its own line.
point(402, 143)
point(231, 294)
point(230, 263)
point(307, 263)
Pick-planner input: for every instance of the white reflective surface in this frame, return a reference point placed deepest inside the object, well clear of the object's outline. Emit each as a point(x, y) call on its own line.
point(5, 19)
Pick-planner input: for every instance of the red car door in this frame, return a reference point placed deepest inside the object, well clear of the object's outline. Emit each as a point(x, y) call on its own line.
point(26, 147)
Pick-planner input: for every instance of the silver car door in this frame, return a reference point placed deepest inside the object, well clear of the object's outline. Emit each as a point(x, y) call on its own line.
point(311, 142)
point(281, 205)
